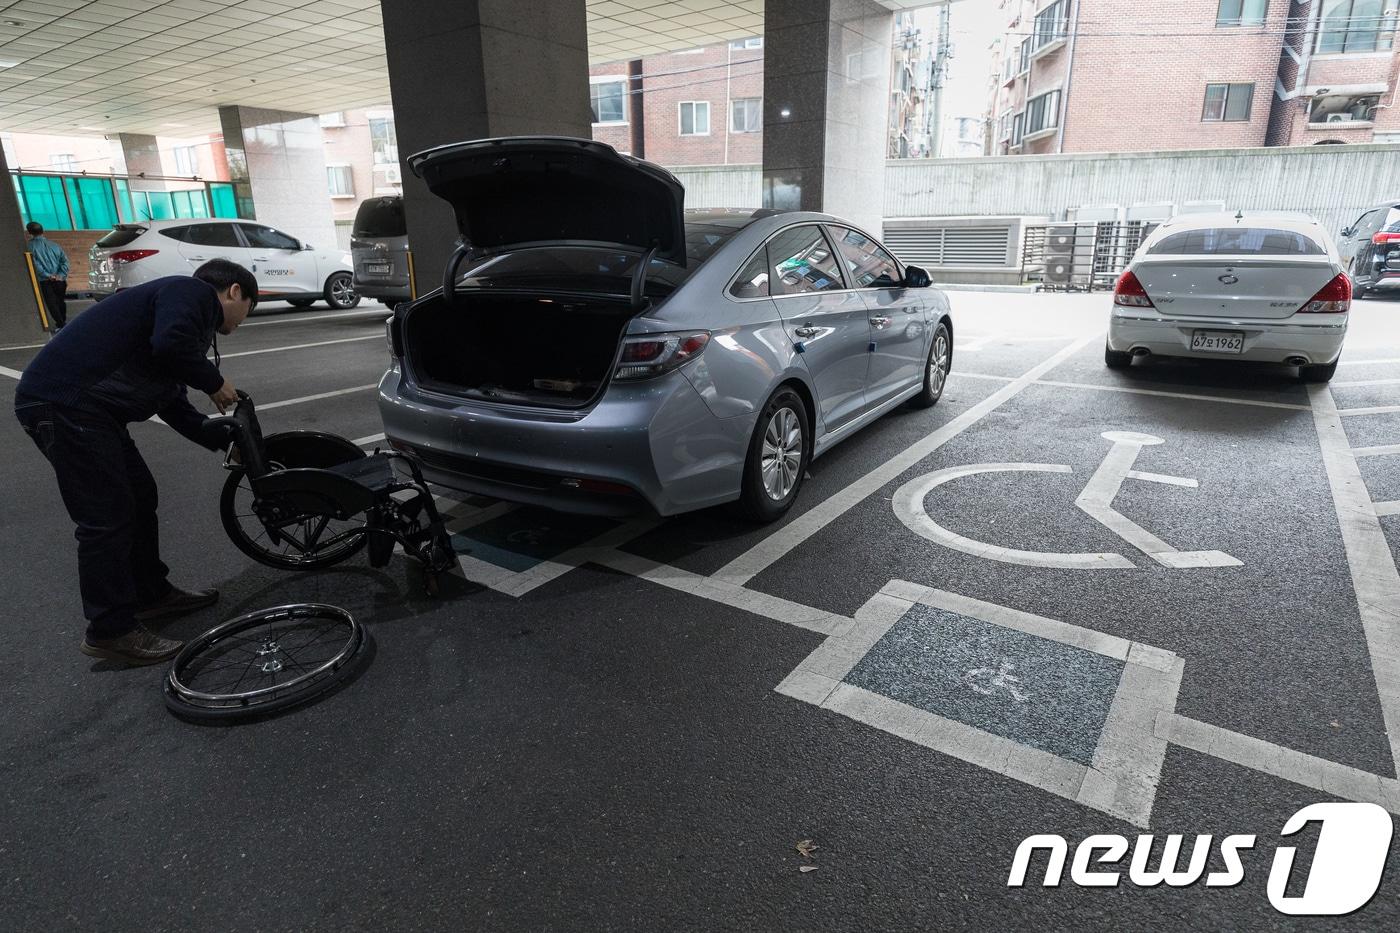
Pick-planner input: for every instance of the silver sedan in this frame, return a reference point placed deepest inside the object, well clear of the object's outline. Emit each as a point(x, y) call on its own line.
point(598, 349)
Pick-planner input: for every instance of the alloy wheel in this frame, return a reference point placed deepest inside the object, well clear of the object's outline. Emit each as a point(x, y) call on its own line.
point(938, 363)
point(781, 458)
point(342, 290)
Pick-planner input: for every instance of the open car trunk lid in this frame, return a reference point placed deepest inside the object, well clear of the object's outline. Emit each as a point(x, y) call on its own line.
point(1236, 288)
point(536, 190)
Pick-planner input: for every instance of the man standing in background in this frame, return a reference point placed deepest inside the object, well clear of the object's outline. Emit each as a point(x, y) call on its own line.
point(51, 267)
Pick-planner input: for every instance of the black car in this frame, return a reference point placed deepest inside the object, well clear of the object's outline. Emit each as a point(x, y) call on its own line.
point(1371, 249)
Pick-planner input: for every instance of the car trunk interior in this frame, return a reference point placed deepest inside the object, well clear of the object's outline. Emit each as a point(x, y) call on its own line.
point(547, 349)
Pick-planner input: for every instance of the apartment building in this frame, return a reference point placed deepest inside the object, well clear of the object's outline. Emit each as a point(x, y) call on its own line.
point(362, 160)
point(1132, 75)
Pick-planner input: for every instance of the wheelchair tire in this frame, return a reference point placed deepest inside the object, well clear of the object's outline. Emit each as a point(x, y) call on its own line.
point(264, 662)
point(247, 533)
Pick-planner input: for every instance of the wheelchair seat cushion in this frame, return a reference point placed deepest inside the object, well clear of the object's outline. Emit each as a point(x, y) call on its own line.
point(375, 472)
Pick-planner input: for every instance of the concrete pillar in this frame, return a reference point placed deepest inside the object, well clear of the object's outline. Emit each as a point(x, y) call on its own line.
point(140, 153)
point(475, 69)
point(19, 311)
point(277, 163)
point(826, 82)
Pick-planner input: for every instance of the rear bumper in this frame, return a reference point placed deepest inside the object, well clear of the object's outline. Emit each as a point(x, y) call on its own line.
point(381, 292)
point(657, 438)
point(1316, 341)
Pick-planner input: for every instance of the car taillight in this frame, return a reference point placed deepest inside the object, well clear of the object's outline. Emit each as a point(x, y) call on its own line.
point(1380, 239)
point(1129, 293)
point(132, 255)
point(653, 354)
point(1334, 298)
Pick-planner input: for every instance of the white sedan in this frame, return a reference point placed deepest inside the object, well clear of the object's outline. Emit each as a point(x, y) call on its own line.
point(287, 269)
point(1267, 288)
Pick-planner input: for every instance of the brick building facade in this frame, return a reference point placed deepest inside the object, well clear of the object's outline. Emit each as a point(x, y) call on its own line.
point(1133, 75)
point(697, 107)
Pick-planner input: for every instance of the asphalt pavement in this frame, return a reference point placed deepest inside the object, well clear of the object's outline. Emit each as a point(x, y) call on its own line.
point(981, 622)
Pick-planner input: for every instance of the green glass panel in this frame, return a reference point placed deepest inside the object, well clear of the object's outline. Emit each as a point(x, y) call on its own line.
point(162, 205)
point(91, 200)
point(43, 196)
point(225, 204)
point(124, 211)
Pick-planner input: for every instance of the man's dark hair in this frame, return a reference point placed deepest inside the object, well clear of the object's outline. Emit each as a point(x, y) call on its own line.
point(34, 228)
point(221, 273)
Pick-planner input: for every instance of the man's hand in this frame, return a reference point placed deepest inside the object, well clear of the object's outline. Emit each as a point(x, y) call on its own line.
point(225, 398)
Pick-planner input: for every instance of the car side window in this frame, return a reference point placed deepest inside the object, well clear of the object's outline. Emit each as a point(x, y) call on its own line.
point(800, 261)
point(1369, 223)
point(212, 235)
point(753, 278)
point(1392, 221)
point(868, 265)
point(177, 233)
point(260, 237)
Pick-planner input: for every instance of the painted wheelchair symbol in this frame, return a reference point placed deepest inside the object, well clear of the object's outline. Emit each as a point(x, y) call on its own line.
point(1096, 500)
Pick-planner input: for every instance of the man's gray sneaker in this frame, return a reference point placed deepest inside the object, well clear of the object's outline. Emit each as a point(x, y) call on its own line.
point(136, 647)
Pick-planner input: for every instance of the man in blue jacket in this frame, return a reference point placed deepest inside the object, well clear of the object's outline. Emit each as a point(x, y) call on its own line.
point(51, 268)
point(125, 359)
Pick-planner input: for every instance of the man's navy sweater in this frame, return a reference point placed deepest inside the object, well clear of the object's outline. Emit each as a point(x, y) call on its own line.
point(132, 354)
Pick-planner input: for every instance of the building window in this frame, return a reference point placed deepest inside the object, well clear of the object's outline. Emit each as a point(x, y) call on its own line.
point(753, 42)
point(1043, 113)
point(341, 181)
point(695, 117)
point(746, 115)
point(1241, 12)
point(333, 119)
point(64, 161)
point(1018, 127)
point(1357, 26)
point(186, 160)
point(1051, 25)
point(1228, 103)
point(1024, 64)
point(608, 97)
point(383, 142)
point(1344, 108)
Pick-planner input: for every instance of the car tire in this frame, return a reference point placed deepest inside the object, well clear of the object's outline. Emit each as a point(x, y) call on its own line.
point(301, 302)
point(784, 412)
point(940, 361)
point(1116, 359)
point(340, 291)
point(1321, 372)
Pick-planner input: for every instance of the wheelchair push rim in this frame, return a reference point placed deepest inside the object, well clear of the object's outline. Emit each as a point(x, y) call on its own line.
point(264, 661)
point(323, 541)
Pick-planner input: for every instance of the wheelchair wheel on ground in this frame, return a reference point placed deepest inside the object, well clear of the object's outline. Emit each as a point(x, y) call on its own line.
point(264, 662)
point(297, 542)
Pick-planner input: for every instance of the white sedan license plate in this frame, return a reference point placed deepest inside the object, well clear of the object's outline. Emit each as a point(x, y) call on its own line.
point(1217, 341)
point(378, 268)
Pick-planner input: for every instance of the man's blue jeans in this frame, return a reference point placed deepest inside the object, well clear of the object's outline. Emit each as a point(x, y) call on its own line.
point(111, 497)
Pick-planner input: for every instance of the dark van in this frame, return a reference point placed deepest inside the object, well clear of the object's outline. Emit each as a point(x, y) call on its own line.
point(379, 247)
point(1371, 250)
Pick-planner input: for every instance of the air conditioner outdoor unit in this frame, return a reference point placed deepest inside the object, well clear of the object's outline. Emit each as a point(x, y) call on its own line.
point(1339, 118)
point(393, 174)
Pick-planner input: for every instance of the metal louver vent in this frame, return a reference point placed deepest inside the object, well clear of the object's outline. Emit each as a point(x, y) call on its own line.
point(951, 246)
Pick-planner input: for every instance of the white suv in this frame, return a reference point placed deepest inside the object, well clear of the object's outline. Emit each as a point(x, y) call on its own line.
point(287, 269)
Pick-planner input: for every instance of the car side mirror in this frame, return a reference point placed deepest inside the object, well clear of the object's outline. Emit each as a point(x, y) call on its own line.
point(306, 246)
point(1347, 231)
point(914, 277)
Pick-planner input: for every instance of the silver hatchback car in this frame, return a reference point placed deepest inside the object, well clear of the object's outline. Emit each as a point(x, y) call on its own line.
point(607, 352)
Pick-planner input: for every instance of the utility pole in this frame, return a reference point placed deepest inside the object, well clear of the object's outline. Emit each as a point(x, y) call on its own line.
point(943, 50)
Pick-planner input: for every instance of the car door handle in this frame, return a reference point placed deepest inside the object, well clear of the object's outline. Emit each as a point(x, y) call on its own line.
point(880, 322)
point(807, 332)
point(259, 259)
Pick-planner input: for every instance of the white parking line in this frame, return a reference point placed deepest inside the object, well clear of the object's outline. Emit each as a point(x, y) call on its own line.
point(1374, 575)
point(772, 548)
point(1393, 359)
point(1186, 395)
point(1387, 508)
point(336, 315)
point(1382, 451)
point(1366, 382)
point(12, 373)
point(1373, 410)
point(367, 440)
point(301, 346)
point(317, 397)
point(24, 346)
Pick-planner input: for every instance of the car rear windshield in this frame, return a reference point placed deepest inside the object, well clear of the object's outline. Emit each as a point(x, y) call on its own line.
point(595, 268)
point(120, 237)
point(1237, 241)
point(380, 217)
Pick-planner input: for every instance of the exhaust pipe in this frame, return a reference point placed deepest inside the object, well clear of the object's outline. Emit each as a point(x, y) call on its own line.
point(1140, 351)
point(1296, 361)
